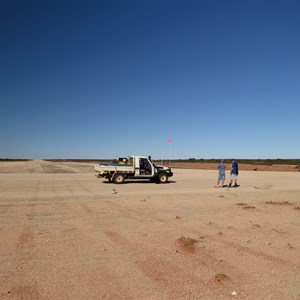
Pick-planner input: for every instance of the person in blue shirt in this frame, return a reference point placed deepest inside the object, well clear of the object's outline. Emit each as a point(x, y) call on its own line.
point(221, 176)
point(234, 173)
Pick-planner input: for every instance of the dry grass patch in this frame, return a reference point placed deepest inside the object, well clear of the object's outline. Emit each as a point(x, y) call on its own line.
point(245, 206)
point(249, 207)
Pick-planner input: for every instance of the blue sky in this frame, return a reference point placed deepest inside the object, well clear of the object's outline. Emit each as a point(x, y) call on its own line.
point(106, 79)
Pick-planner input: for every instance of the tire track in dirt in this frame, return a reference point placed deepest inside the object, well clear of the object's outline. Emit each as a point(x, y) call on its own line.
point(238, 279)
point(246, 250)
point(175, 279)
point(177, 282)
point(166, 272)
point(20, 285)
point(258, 254)
point(85, 247)
point(212, 273)
point(241, 280)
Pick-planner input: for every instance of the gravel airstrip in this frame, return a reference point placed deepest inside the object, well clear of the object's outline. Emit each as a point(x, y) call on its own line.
point(65, 235)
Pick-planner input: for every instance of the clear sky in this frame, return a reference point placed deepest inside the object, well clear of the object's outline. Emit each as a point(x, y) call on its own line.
point(107, 79)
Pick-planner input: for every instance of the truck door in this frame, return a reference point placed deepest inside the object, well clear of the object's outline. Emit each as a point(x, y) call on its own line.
point(146, 167)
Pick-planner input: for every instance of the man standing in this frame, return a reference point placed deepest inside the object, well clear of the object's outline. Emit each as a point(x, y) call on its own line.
point(221, 176)
point(234, 174)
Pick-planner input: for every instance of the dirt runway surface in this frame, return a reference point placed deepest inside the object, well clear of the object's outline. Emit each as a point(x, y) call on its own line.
point(65, 235)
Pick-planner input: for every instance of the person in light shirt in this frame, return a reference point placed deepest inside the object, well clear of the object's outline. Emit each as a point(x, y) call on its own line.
point(222, 174)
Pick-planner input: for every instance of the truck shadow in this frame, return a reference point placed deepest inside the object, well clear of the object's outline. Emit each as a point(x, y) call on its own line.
point(139, 181)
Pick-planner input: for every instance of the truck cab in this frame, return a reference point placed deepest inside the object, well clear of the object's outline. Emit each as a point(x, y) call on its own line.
point(144, 167)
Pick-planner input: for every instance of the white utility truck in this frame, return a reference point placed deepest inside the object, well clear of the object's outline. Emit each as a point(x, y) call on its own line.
point(133, 167)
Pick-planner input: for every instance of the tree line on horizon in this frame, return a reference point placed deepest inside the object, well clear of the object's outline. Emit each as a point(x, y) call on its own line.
point(278, 161)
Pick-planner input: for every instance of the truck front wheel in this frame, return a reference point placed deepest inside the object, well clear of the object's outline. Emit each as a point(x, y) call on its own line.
point(118, 178)
point(163, 177)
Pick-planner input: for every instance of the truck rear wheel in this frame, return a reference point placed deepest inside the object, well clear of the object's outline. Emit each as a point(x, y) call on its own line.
point(163, 177)
point(118, 178)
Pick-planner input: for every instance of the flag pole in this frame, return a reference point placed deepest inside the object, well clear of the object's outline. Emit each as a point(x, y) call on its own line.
point(169, 152)
point(169, 141)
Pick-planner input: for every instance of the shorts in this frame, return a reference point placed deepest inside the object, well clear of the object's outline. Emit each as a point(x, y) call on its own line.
point(221, 177)
point(234, 176)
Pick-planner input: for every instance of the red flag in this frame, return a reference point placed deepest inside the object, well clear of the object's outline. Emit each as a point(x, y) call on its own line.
point(169, 140)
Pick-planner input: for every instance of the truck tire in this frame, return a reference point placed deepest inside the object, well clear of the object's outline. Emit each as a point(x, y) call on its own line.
point(118, 178)
point(163, 177)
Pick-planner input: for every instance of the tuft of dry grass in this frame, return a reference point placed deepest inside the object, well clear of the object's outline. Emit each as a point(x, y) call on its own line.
point(245, 206)
point(249, 207)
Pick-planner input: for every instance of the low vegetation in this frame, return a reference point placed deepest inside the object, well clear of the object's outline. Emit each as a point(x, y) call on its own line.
point(14, 159)
point(264, 162)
